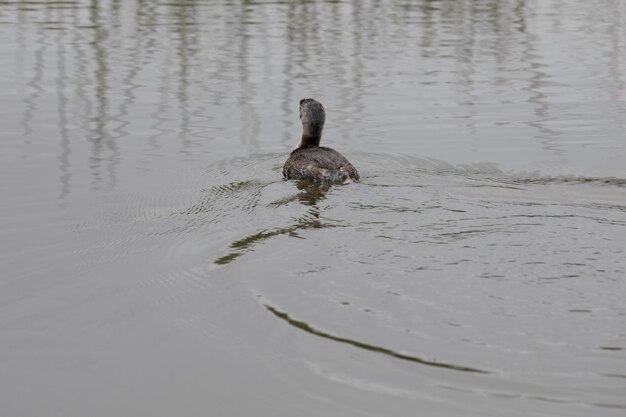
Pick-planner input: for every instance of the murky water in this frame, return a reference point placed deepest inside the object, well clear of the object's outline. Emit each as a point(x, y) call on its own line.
point(155, 263)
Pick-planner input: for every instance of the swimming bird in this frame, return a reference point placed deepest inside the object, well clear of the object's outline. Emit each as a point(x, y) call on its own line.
point(310, 161)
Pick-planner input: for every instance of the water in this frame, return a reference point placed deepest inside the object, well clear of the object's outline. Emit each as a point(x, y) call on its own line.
point(155, 263)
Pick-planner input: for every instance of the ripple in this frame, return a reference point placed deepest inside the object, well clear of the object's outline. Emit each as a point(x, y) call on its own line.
point(372, 348)
point(241, 246)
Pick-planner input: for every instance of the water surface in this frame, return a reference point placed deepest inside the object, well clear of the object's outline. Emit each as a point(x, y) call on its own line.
point(155, 263)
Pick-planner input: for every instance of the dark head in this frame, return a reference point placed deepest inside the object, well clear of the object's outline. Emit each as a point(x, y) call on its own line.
point(313, 116)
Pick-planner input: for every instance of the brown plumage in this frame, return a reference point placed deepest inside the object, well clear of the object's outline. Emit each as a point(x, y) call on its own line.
point(313, 162)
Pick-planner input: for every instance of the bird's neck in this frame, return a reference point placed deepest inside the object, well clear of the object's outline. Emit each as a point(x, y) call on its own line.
point(308, 141)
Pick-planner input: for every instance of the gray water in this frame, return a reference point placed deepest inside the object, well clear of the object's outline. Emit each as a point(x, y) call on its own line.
point(154, 262)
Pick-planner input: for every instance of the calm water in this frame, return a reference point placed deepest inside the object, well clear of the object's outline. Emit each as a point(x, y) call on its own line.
point(154, 263)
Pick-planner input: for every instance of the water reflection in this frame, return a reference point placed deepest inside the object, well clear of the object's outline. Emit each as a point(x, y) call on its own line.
point(311, 193)
point(246, 63)
point(369, 347)
point(100, 122)
point(142, 189)
point(62, 106)
point(33, 99)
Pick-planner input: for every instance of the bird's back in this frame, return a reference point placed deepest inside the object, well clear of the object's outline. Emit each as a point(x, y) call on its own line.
point(319, 163)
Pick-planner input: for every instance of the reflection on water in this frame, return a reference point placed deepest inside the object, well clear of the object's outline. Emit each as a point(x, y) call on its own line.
point(147, 233)
point(304, 326)
point(310, 195)
point(540, 80)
